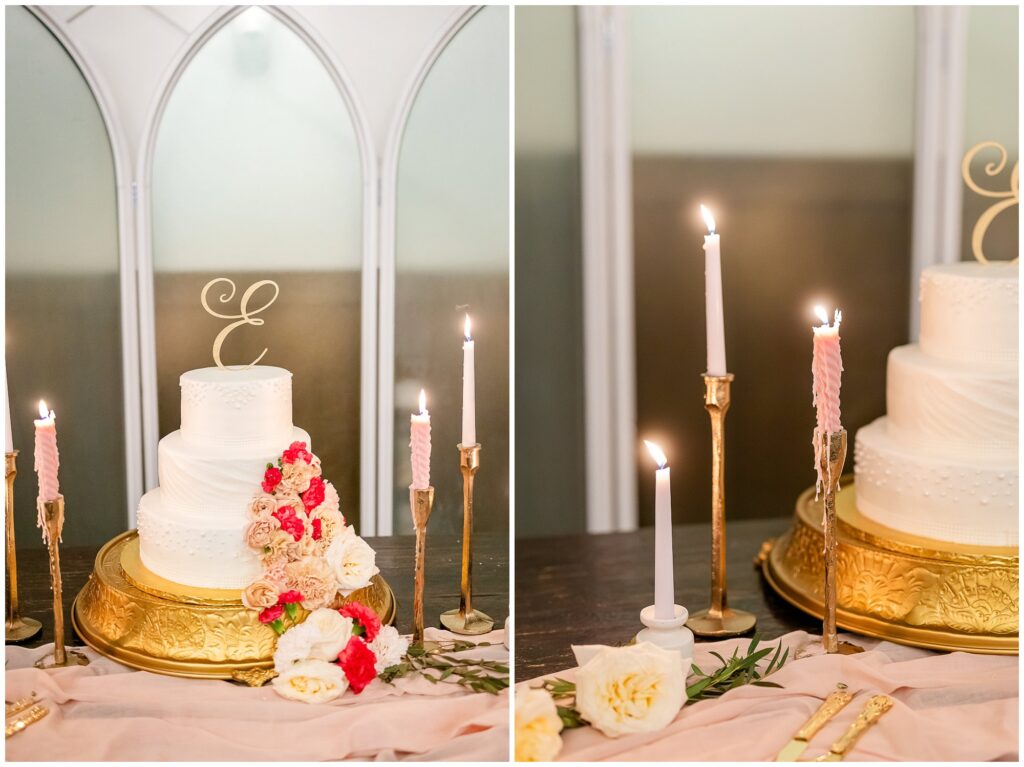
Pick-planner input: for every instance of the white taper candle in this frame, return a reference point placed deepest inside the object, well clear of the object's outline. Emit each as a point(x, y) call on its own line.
point(468, 389)
point(664, 574)
point(715, 319)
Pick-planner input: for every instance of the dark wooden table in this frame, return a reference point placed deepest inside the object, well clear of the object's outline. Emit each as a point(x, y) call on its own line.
point(394, 558)
point(589, 589)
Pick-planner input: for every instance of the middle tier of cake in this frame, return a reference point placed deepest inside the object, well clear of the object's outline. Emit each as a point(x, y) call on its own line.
point(192, 528)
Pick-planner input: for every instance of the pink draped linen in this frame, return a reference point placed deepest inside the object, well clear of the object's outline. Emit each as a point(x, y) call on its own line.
point(948, 707)
point(106, 711)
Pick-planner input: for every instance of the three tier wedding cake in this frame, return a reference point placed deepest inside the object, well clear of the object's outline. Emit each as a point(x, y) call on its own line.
point(942, 464)
point(192, 528)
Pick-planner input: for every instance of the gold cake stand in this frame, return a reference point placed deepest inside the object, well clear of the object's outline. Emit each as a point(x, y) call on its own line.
point(895, 586)
point(141, 620)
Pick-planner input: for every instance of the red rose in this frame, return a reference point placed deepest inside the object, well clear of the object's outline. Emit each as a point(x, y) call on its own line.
point(289, 597)
point(271, 479)
point(296, 451)
point(365, 617)
point(317, 529)
point(358, 661)
point(271, 614)
point(290, 522)
point(314, 494)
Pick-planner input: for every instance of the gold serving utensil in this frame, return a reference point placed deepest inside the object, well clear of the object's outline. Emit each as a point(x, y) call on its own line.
point(16, 707)
point(25, 720)
point(831, 706)
point(871, 713)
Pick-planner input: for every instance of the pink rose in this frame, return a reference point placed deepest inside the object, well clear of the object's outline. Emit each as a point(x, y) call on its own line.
point(259, 595)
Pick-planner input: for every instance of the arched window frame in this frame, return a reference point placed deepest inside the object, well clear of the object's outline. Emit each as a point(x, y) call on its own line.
point(144, 243)
point(132, 405)
point(388, 242)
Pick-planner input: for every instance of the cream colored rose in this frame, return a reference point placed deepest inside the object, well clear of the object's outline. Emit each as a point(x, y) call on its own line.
point(331, 500)
point(537, 727)
point(262, 505)
point(278, 547)
point(305, 546)
point(352, 561)
point(390, 648)
point(298, 474)
point(626, 690)
point(261, 531)
point(321, 636)
point(311, 681)
point(259, 595)
point(313, 578)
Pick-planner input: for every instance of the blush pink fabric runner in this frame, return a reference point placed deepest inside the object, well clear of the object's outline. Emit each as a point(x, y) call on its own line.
point(107, 711)
point(948, 707)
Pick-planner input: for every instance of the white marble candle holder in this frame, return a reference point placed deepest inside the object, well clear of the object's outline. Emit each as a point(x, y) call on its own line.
point(669, 633)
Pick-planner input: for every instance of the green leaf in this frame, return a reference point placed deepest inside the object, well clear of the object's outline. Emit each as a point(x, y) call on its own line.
point(292, 609)
point(278, 626)
point(570, 717)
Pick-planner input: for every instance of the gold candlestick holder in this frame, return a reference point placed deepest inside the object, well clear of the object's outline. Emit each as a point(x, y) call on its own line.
point(466, 620)
point(719, 620)
point(422, 503)
point(51, 514)
point(17, 629)
point(832, 457)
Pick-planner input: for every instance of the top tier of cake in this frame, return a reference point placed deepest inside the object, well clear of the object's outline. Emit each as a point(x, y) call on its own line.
point(969, 313)
point(237, 409)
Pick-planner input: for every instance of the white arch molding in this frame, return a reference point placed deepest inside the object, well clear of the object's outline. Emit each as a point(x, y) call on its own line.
point(388, 231)
point(144, 243)
point(130, 379)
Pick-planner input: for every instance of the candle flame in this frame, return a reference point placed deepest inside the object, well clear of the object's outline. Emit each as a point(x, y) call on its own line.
point(657, 454)
point(44, 412)
point(822, 314)
point(469, 335)
point(709, 220)
point(423, 402)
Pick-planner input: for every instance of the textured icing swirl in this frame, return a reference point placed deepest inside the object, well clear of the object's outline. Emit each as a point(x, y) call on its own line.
point(956, 409)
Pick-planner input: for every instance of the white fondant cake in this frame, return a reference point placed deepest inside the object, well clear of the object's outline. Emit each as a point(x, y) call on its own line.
point(942, 463)
point(233, 423)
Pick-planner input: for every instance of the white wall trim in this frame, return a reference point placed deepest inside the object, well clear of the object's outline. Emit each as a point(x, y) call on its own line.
point(938, 146)
point(130, 374)
point(388, 222)
point(608, 318)
point(294, 21)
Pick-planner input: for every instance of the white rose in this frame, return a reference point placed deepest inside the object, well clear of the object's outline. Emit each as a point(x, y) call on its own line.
point(537, 727)
point(353, 562)
point(389, 647)
point(626, 690)
point(321, 636)
point(311, 681)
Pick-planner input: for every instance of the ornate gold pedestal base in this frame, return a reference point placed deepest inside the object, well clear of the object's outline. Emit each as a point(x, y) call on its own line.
point(898, 587)
point(128, 614)
point(21, 629)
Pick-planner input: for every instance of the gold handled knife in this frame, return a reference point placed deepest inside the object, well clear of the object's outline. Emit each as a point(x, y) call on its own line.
point(831, 706)
point(871, 713)
point(25, 719)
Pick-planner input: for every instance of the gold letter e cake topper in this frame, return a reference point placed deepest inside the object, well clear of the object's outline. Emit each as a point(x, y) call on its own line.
point(1007, 198)
point(247, 315)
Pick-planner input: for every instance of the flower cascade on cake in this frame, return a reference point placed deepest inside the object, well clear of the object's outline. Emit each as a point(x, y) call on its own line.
point(312, 559)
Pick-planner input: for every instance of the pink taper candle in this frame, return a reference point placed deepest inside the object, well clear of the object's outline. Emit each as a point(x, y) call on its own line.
point(714, 312)
point(827, 367)
point(47, 459)
point(419, 426)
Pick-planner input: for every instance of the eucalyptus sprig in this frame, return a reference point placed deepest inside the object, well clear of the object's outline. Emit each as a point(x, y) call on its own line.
point(437, 665)
point(735, 672)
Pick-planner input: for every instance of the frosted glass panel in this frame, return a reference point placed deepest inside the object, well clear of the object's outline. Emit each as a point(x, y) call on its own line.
point(63, 288)
point(795, 125)
point(257, 175)
point(550, 487)
point(452, 251)
point(991, 103)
